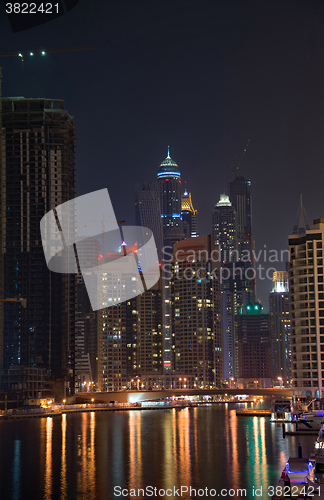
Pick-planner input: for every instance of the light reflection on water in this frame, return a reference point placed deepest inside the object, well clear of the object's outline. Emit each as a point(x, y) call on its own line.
point(83, 456)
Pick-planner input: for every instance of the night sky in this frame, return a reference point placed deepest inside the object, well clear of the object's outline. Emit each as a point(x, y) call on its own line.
point(203, 76)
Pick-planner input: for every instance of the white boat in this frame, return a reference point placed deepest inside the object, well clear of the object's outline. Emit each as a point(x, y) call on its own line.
point(281, 410)
point(310, 420)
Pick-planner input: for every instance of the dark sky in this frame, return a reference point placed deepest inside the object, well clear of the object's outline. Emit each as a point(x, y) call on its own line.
point(203, 76)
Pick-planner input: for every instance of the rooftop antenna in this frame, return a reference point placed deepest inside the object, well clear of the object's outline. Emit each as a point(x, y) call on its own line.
point(168, 152)
point(238, 161)
point(302, 222)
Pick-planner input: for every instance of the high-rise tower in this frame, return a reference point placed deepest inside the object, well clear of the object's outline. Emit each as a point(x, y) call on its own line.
point(240, 196)
point(280, 327)
point(148, 211)
point(224, 229)
point(37, 174)
point(169, 179)
point(306, 302)
point(196, 304)
point(189, 216)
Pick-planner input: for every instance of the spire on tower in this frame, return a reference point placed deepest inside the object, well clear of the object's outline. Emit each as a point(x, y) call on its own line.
point(302, 222)
point(168, 152)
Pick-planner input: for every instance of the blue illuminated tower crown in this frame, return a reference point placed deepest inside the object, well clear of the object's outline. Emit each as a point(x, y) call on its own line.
point(169, 179)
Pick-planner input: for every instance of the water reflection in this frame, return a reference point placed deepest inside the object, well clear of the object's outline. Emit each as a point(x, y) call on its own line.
point(48, 460)
point(63, 481)
point(16, 471)
point(84, 456)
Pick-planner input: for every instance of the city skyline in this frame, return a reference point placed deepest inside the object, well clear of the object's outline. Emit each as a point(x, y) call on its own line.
point(255, 75)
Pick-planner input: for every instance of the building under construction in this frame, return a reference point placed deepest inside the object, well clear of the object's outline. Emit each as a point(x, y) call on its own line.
point(37, 173)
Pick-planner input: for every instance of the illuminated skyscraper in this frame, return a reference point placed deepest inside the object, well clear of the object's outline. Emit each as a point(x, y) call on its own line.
point(236, 293)
point(224, 229)
point(37, 174)
point(280, 327)
point(240, 196)
point(169, 179)
point(189, 216)
point(196, 312)
point(254, 347)
point(306, 302)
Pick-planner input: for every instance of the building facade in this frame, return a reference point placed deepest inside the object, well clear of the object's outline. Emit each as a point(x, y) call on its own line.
point(169, 181)
point(148, 211)
point(224, 229)
point(189, 216)
point(306, 302)
point(236, 293)
point(241, 198)
point(280, 327)
point(37, 173)
point(196, 312)
point(254, 347)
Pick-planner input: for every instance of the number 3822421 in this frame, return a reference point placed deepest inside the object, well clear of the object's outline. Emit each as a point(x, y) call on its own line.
point(32, 8)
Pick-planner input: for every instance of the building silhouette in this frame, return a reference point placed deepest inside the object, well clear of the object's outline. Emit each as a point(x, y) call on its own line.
point(36, 173)
point(148, 211)
point(241, 199)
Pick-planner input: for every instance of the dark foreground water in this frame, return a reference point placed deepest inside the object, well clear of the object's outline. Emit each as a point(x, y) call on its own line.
point(84, 456)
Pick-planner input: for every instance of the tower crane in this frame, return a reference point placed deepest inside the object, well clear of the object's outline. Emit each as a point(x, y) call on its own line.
point(238, 161)
point(22, 54)
point(43, 52)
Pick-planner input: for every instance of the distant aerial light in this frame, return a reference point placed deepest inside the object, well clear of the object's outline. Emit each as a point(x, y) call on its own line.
point(20, 55)
point(31, 53)
point(43, 52)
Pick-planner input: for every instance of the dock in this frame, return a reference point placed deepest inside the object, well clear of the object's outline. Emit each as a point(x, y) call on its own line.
point(251, 412)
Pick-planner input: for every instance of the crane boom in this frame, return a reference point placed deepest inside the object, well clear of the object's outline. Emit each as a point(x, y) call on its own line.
point(237, 162)
point(23, 53)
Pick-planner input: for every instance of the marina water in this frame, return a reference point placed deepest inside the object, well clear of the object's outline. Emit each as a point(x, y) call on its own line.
point(96, 455)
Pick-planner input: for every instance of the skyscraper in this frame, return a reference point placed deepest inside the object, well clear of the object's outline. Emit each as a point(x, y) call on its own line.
point(224, 229)
point(306, 302)
point(237, 291)
point(280, 327)
point(240, 196)
point(196, 303)
point(254, 347)
point(37, 173)
point(169, 179)
point(148, 211)
point(189, 216)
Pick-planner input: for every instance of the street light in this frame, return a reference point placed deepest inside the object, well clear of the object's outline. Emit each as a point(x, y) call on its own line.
point(280, 380)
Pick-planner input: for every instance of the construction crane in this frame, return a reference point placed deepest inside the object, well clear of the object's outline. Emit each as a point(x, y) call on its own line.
point(19, 299)
point(238, 161)
point(43, 52)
